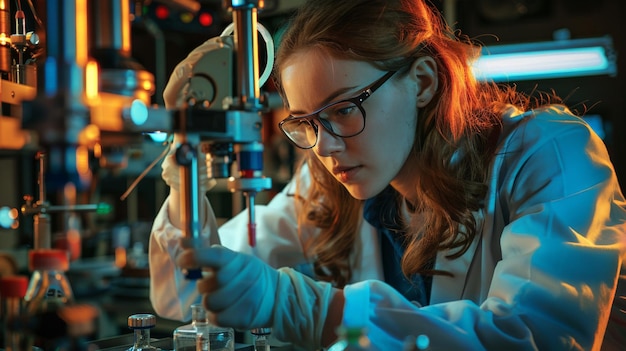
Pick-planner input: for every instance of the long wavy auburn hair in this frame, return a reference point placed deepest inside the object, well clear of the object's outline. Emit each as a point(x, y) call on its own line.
point(455, 137)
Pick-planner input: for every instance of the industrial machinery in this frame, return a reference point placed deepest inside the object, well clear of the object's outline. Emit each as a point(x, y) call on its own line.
point(92, 101)
point(82, 102)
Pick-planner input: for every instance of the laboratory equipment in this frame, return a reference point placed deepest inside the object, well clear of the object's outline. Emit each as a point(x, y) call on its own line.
point(18, 74)
point(221, 117)
point(48, 291)
point(229, 127)
point(83, 120)
point(41, 209)
point(49, 287)
point(12, 291)
point(202, 335)
point(84, 114)
point(141, 324)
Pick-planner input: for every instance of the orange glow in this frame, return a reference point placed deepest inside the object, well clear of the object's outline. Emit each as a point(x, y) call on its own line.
point(11, 134)
point(125, 26)
point(120, 257)
point(147, 85)
point(82, 161)
point(81, 32)
point(73, 244)
point(69, 192)
point(89, 135)
point(91, 80)
point(3, 5)
point(97, 150)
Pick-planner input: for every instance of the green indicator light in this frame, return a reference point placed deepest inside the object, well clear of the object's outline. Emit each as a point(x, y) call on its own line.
point(104, 208)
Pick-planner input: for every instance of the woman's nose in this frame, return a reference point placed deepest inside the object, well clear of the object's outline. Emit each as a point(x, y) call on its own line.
point(327, 143)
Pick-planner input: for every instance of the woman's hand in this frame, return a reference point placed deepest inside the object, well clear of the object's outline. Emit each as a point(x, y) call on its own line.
point(238, 290)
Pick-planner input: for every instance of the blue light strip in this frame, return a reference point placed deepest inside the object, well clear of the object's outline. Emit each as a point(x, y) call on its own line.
point(557, 59)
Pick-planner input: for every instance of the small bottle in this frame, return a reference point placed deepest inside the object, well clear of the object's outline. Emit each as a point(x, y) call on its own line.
point(142, 324)
point(48, 290)
point(12, 291)
point(351, 338)
point(261, 338)
point(201, 327)
point(201, 335)
point(48, 286)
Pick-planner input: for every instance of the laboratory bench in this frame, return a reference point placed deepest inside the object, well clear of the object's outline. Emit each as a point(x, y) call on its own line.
point(119, 293)
point(124, 342)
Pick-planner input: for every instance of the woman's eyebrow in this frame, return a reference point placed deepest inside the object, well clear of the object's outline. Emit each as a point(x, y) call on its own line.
point(332, 96)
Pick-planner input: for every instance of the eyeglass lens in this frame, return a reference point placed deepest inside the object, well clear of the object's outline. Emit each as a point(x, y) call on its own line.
point(343, 119)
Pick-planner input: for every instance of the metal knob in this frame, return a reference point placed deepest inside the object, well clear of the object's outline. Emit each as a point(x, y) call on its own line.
point(141, 321)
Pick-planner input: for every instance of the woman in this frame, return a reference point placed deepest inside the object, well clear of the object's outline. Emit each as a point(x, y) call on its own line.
point(499, 221)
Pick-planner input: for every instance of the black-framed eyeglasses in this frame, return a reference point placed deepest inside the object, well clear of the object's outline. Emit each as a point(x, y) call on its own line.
point(344, 118)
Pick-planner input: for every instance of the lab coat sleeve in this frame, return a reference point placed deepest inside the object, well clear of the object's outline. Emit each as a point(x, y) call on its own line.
point(171, 294)
point(561, 256)
point(278, 243)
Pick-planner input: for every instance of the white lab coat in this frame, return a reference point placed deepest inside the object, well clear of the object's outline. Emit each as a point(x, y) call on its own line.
point(540, 276)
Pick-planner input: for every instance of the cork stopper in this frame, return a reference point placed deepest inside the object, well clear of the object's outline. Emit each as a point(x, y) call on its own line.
point(48, 259)
point(13, 286)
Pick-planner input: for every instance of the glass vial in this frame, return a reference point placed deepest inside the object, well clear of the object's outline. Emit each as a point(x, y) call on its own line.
point(141, 324)
point(261, 338)
point(201, 335)
point(12, 291)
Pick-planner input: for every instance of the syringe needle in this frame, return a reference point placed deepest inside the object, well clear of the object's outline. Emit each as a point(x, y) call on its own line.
point(251, 220)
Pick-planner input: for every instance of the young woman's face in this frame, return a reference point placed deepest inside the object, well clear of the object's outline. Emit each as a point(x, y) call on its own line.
point(366, 163)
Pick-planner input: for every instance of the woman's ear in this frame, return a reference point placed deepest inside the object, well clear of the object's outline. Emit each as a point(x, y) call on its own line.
point(424, 71)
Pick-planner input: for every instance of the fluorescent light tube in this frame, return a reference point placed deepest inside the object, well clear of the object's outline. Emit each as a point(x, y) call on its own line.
point(558, 59)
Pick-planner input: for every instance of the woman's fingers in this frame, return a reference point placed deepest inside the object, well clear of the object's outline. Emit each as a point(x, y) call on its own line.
point(207, 284)
point(187, 259)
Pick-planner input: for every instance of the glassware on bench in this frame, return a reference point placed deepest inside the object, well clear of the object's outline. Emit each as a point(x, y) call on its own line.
point(201, 335)
point(141, 324)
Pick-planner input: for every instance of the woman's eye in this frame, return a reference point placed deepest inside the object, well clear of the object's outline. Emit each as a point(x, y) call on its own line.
point(344, 109)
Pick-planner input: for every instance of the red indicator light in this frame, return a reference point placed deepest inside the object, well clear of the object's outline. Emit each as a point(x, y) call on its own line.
point(162, 12)
point(205, 19)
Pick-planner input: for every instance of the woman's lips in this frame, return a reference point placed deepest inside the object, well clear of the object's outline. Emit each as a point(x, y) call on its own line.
point(346, 174)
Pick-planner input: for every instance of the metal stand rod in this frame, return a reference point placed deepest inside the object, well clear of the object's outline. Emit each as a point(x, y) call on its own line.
point(187, 158)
